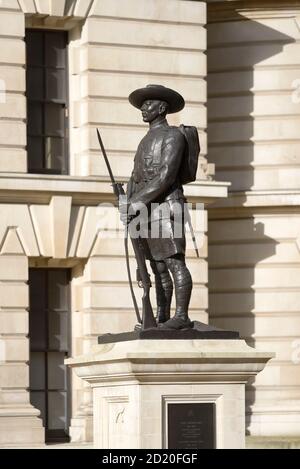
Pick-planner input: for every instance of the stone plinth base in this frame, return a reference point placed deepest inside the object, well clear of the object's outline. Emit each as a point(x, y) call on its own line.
point(20, 426)
point(135, 383)
point(199, 330)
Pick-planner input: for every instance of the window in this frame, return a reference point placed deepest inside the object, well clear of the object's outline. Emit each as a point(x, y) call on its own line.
point(47, 102)
point(49, 345)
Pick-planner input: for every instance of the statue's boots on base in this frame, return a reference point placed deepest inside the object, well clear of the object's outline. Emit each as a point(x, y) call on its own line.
point(177, 323)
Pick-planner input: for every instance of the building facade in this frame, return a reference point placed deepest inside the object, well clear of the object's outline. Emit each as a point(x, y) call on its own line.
point(66, 68)
point(253, 138)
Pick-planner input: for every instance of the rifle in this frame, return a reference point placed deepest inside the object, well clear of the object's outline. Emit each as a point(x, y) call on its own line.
point(148, 320)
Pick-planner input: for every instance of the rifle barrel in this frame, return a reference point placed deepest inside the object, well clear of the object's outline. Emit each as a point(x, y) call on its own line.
point(148, 319)
point(105, 158)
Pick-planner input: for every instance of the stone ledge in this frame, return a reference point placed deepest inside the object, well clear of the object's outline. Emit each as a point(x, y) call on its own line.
point(40, 188)
point(271, 442)
point(257, 198)
point(160, 360)
point(228, 10)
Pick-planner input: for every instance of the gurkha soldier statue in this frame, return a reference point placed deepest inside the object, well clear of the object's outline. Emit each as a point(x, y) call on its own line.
point(154, 213)
point(156, 181)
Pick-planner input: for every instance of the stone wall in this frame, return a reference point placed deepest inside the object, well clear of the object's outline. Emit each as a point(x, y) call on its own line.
point(253, 130)
point(120, 49)
point(54, 221)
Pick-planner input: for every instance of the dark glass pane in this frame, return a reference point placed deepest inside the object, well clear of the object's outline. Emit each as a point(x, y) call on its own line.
point(58, 291)
point(57, 410)
point(58, 330)
point(47, 83)
point(55, 48)
point(34, 48)
point(56, 370)
point(37, 304)
point(55, 151)
point(37, 329)
point(37, 288)
point(38, 400)
point(37, 371)
point(56, 85)
point(35, 84)
point(35, 147)
point(55, 120)
point(47, 369)
point(35, 118)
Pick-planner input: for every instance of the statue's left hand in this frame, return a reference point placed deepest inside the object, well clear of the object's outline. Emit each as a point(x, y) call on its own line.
point(128, 210)
point(124, 215)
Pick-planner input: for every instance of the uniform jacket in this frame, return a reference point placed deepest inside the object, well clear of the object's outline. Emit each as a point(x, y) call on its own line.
point(156, 179)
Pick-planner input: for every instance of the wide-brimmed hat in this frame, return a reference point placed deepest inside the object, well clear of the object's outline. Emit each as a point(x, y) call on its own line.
point(174, 99)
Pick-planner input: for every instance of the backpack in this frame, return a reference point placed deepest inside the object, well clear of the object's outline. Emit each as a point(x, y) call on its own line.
point(189, 164)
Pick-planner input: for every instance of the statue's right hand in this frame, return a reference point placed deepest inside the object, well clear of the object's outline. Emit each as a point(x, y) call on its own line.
point(125, 218)
point(123, 209)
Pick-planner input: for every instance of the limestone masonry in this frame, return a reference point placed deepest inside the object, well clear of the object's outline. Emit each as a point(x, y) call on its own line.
point(237, 64)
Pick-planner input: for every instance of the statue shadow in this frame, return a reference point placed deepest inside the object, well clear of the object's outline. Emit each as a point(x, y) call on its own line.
point(233, 138)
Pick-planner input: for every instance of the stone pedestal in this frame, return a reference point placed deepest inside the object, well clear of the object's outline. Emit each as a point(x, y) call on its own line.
point(139, 388)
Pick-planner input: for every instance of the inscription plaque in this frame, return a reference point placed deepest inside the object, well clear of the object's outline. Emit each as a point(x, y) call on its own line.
point(191, 425)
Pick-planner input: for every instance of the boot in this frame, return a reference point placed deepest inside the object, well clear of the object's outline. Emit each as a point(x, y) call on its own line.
point(183, 289)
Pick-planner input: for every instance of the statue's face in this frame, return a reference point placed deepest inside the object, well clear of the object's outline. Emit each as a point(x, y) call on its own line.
point(151, 109)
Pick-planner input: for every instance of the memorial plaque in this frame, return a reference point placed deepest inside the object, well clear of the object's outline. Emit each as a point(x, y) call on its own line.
point(191, 425)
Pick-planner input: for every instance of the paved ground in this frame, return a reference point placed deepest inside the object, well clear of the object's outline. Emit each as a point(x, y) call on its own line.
point(53, 446)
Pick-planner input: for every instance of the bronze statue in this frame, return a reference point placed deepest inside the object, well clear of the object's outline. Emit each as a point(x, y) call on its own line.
point(166, 159)
point(157, 178)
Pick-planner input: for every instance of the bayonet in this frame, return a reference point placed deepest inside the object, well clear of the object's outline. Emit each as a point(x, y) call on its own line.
point(147, 321)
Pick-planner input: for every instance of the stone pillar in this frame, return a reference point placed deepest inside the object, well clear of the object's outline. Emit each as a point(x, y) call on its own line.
point(81, 424)
point(19, 422)
point(253, 131)
point(12, 88)
point(135, 382)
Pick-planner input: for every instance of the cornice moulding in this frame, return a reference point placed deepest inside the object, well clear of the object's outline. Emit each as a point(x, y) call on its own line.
point(234, 10)
point(36, 188)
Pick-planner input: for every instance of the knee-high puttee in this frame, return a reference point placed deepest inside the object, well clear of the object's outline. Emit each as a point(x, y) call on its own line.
point(164, 290)
point(183, 285)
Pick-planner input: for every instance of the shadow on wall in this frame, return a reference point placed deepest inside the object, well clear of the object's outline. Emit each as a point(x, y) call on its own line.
point(237, 241)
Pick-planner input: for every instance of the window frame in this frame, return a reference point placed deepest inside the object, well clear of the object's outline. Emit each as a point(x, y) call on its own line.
point(51, 435)
point(44, 101)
